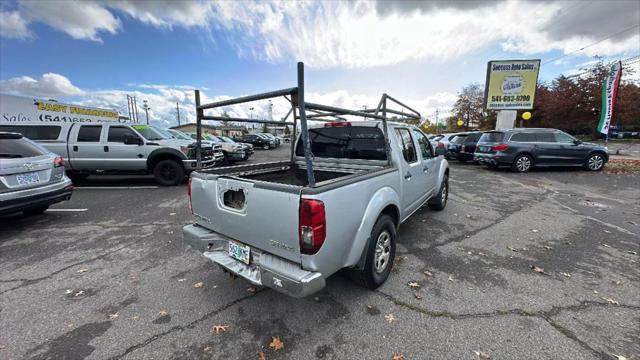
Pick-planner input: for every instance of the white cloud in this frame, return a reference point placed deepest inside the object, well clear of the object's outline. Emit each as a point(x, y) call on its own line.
point(165, 13)
point(79, 19)
point(13, 26)
point(49, 85)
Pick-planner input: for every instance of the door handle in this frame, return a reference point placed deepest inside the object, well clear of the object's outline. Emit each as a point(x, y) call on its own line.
point(407, 175)
point(425, 169)
point(75, 147)
point(106, 149)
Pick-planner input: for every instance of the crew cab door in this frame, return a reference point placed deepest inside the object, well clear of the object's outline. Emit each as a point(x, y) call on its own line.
point(119, 155)
point(85, 147)
point(413, 177)
point(430, 163)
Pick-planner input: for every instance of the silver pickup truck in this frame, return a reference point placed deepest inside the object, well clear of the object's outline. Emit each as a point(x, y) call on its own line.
point(117, 148)
point(264, 223)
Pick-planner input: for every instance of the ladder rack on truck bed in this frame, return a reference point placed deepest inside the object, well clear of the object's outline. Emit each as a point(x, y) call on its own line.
point(295, 96)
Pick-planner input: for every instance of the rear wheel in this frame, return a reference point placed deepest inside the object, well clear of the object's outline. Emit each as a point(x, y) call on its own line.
point(439, 201)
point(522, 163)
point(595, 162)
point(168, 173)
point(380, 255)
point(36, 211)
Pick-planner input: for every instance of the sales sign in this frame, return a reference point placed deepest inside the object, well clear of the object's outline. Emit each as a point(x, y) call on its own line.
point(511, 84)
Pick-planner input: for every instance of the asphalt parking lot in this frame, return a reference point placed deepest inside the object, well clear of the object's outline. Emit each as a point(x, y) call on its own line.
point(106, 275)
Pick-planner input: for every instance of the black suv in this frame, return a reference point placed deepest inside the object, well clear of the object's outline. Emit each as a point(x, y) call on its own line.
point(463, 146)
point(521, 149)
point(257, 141)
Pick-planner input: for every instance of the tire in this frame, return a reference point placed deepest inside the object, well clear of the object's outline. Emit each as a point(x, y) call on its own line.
point(77, 177)
point(522, 163)
point(168, 173)
point(595, 162)
point(439, 201)
point(372, 276)
point(36, 211)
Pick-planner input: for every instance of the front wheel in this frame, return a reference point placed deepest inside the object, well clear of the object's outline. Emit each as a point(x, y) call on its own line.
point(381, 253)
point(439, 201)
point(522, 163)
point(595, 162)
point(168, 173)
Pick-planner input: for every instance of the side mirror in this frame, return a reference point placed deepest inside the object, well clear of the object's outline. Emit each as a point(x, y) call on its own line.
point(577, 142)
point(132, 140)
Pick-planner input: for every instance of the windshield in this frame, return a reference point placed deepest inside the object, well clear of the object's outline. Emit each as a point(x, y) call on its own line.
point(211, 138)
point(150, 133)
point(179, 135)
point(459, 139)
point(491, 137)
point(226, 139)
point(346, 142)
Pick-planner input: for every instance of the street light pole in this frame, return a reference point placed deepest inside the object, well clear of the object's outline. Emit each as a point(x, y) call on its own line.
point(146, 108)
point(178, 110)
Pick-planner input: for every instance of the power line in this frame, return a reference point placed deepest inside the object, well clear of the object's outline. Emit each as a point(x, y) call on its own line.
point(590, 45)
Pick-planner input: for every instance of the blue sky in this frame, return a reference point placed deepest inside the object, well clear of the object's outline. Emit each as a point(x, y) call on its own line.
point(95, 52)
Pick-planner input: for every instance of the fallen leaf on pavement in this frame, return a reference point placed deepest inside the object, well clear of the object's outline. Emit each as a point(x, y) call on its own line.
point(262, 356)
point(219, 328)
point(207, 349)
point(607, 231)
point(610, 300)
point(605, 245)
point(276, 344)
point(632, 252)
point(512, 248)
point(251, 289)
point(2, 347)
point(413, 285)
point(547, 247)
point(171, 214)
point(83, 270)
point(620, 357)
point(398, 356)
point(537, 269)
point(181, 280)
point(390, 318)
point(617, 282)
point(428, 273)
point(566, 275)
point(372, 310)
point(79, 293)
point(113, 316)
point(535, 231)
point(198, 285)
point(482, 354)
point(164, 312)
point(450, 278)
point(417, 296)
point(68, 291)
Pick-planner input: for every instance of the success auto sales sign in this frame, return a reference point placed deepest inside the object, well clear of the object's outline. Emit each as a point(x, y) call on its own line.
point(511, 84)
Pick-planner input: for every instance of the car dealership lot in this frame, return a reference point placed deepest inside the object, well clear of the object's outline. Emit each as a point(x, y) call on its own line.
point(116, 281)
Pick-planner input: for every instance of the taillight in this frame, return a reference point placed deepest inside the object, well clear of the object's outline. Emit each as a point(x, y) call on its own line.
point(500, 147)
point(337, 124)
point(58, 161)
point(313, 228)
point(189, 193)
point(440, 144)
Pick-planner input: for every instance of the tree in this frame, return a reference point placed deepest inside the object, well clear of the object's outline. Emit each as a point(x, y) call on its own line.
point(265, 129)
point(226, 115)
point(470, 109)
point(286, 130)
point(428, 128)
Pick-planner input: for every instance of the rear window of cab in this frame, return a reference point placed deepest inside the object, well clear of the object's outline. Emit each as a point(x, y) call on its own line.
point(491, 137)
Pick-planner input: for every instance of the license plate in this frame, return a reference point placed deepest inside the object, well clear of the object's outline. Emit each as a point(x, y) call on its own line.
point(239, 251)
point(26, 179)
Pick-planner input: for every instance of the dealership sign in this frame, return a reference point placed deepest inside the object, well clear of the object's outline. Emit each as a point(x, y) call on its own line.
point(21, 109)
point(511, 84)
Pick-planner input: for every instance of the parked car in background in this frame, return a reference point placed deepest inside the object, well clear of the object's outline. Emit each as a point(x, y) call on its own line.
point(177, 134)
point(271, 137)
point(257, 141)
point(463, 146)
point(524, 148)
point(31, 177)
point(116, 148)
point(232, 151)
point(246, 147)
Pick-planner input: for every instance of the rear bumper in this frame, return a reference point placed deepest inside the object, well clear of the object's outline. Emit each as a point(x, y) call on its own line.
point(492, 159)
point(35, 197)
point(265, 269)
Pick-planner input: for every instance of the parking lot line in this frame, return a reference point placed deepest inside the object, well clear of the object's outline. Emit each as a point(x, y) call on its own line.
point(115, 187)
point(67, 210)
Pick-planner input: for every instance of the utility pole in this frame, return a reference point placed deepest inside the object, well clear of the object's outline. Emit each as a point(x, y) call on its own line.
point(437, 127)
point(135, 108)
point(129, 107)
point(146, 108)
point(178, 111)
